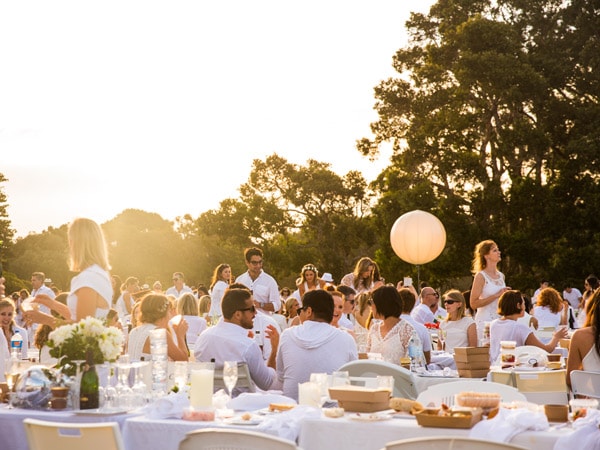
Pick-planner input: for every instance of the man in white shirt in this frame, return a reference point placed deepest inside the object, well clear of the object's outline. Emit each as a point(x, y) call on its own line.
point(314, 346)
point(409, 298)
point(543, 285)
point(347, 320)
point(38, 287)
point(179, 287)
point(263, 286)
point(428, 311)
point(573, 296)
point(228, 340)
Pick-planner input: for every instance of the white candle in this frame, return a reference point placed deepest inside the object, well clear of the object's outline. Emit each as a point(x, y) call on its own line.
point(309, 394)
point(201, 388)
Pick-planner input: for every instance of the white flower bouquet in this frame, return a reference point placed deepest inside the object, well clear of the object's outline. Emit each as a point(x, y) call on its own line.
point(72, 342)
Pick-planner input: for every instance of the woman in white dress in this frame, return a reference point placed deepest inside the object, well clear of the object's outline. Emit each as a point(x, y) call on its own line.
point(219, 282)
point(362, 278)
point(187, 306)
point(309, 281)
point(551, 310)
point(91, 290)
point(511, 306)
point(488, 284)
point(584, 350)
point(9, 326)
point(458, 329)
point(390, 335)
point(154, 313)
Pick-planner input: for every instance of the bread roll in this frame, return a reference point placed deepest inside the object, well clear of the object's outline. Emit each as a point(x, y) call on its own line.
point(406, 405)
point(280, 406)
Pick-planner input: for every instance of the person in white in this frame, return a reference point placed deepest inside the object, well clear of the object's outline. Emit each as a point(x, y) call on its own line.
point(263, 286)
point(347, 320)
point(511, 306)
point(220, 281)
point(543, 285)
point(126, 300)
point(38, 287)
point(179, 287)
point(309, 280)
point(228, 340)
point(488, 284)
point(428, 311)
point(187, 307)
point(409, 297)
point(550, 311)
point(91, 290)
point(314, 346)
point(458, 330)
point(573, 296)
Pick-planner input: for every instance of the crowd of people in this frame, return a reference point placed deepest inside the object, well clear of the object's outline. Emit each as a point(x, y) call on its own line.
point(284, 335)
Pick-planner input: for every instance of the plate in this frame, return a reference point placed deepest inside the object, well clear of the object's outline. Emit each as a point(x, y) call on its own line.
point(100, 412)
point(240, 421)
point(369, 417)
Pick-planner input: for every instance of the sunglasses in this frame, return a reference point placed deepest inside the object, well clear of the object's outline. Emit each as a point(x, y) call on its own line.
point(256, 263)
point(252, 309)
point(351, 301)
point(450, 302)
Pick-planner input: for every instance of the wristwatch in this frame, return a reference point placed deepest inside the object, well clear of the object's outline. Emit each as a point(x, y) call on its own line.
point(262, 305)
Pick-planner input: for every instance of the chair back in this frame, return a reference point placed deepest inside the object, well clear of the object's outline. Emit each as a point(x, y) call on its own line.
point(404, 381)
point(585, 383)
point(231, 439)
point(449, 443)
point(43, 435)
point(444, 392)
point(244, 380)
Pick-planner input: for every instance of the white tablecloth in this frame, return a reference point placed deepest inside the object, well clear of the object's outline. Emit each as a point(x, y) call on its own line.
point(12, 432)
point(348, 434)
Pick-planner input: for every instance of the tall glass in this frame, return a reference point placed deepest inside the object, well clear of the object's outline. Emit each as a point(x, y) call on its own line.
point(158, 349)
point(230, 375)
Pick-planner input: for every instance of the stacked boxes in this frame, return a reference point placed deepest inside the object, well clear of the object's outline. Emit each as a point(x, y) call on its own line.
point(472, 362)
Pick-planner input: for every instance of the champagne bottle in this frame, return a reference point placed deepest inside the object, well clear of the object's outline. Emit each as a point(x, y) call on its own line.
point(88, 391)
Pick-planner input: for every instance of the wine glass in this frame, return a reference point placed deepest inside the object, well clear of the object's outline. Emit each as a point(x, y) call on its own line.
point(139, 388)
point(12, 372)
point(442, 339)
point(230, 375)
point(124, 392)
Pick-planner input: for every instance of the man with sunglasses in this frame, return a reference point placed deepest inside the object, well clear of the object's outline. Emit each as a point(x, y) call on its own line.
point(429, 310)
point(263, 286)
point(228, 340)
point(347, 320)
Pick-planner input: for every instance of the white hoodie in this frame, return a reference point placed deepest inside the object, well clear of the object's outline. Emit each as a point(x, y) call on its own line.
point(313, 347)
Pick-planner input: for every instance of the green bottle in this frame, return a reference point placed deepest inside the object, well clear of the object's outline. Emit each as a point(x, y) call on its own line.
point(88, 390)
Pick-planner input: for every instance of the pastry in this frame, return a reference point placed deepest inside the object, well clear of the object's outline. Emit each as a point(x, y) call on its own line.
point(406, 405)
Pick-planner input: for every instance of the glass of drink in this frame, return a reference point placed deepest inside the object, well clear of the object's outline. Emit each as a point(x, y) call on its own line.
point(230, 375)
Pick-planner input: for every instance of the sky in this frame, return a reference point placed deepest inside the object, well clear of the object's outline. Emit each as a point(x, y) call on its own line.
point(163, 105)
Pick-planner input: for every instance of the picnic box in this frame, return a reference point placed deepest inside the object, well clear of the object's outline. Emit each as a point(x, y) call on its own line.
point(472, 362)
point(463, 418)
point(361, 399)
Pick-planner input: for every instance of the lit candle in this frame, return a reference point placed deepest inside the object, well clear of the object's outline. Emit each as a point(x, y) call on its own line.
point(201, 388)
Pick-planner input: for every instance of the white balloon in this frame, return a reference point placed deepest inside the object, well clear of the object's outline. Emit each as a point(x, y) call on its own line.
point(418, 237)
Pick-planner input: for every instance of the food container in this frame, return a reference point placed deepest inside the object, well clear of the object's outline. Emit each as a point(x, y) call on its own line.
point(579, 406)
point(456, 418)
point(557, 413)
point(484, 400)
point(508, 353)
point(360, 399)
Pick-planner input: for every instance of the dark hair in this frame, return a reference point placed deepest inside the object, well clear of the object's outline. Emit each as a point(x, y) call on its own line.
point(592, 280)
point(387, 301)
point(594, 318)
point(467, 295)
point(321, 303)
point(233, 300)
point(346, 290)
point(509, 301)
point(252, 251)
point(407, 299)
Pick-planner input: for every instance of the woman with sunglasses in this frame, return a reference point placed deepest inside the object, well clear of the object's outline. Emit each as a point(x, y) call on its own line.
point(459, 330)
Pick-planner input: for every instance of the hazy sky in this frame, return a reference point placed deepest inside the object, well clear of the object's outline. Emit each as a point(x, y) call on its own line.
point(163, 105)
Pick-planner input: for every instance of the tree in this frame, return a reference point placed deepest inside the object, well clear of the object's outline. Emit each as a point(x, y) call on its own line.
point(481, 121)
point(6, 232)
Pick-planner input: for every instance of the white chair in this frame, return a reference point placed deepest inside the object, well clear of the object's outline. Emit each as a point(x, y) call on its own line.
point(230, 439)
point(449, 443)
point(444, 392)
point(585, 383)
point(404, 385)
point(44, 435)
point(244, 380)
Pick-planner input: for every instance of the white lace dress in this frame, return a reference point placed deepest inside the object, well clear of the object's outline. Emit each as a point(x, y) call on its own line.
point(395, 343)
point(488, 312)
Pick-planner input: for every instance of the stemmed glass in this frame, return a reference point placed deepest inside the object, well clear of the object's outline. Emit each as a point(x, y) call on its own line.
point(442, 339)
point(108, 390)
point(139, 389)
point(124, 392)
point(230, 375)
point(12, 371)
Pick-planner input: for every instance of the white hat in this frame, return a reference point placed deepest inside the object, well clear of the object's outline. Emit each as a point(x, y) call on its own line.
point(327, 277)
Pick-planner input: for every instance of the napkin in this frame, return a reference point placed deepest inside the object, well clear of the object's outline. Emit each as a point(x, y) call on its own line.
point(251, 401)
point(169, 406)
point(510, 422)
point(287, 424)
point(586, 433)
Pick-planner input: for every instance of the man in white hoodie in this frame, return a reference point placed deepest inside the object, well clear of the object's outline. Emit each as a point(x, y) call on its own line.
point(314, 346)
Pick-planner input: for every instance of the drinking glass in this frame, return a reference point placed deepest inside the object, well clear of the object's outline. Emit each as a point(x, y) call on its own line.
point(76, 382)
point(139, 388)
point(340, 378)
point(230, 375)
point(124, 392)
point(12, 373)
point(442, 338)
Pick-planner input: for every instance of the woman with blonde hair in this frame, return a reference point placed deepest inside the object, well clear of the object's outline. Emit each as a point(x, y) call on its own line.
point(488, 284)
point(584, 351)
point(291, 311)
point(91, 291)
point(187, 307)
point(309, 281)
point(459, 330)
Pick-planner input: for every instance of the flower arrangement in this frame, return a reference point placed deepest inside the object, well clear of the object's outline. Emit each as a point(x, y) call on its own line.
point(432, 326)
point(72, 342)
